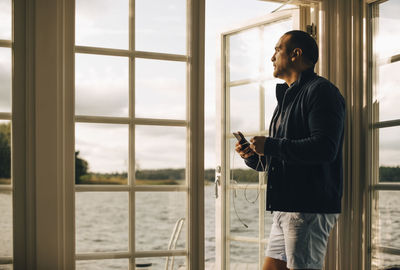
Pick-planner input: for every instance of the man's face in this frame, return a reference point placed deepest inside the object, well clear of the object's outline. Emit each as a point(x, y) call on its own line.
point(280, 59)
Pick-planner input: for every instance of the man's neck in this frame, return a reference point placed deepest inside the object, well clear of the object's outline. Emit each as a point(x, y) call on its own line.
point(292, 77)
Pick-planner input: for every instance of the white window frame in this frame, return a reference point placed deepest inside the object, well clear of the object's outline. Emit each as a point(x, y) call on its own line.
point(9, 116)
point(43, 137)
point(194, 124)
point(42, 195)
point(21, 115)
point(301, 17)
point(374, 125)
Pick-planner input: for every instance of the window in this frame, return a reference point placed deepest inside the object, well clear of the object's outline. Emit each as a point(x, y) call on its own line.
point(248, 100)
point(385, 133)
point(135, 134)
point(6, 183)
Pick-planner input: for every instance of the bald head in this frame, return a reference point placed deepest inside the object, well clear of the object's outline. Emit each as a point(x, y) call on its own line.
point(304, 42)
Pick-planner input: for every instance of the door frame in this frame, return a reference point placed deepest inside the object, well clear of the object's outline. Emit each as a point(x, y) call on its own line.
point(222, 145)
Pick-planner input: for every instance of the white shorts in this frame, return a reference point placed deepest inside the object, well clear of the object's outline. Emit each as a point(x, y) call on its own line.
point(300, 239)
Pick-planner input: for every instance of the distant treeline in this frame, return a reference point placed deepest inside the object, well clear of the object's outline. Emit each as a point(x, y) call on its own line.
point(389, 174)
point(161, 174)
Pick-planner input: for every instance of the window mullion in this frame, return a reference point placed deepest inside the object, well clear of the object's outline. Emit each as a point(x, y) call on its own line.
point(132, 128)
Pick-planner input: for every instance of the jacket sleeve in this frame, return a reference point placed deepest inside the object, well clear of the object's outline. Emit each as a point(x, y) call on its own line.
point(256, 163)
point(326, 113)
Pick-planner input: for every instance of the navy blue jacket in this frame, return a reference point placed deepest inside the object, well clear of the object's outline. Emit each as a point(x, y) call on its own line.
point(304, 155)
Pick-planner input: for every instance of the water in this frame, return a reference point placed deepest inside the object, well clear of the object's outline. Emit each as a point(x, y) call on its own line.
point(102, 220)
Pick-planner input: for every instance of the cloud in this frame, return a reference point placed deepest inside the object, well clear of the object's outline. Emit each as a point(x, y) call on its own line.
point(102, 23)
point(102, 85)
point(104, 146)
point(160, 147)
point(5, 19)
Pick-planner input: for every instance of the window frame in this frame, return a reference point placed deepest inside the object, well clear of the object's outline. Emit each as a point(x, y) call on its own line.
point(194, 124)
point(300, 16)
point(9, 116)
point(22, 185)
point(373, 127)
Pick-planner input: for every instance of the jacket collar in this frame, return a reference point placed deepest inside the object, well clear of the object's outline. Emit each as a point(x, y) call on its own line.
point(281, 88)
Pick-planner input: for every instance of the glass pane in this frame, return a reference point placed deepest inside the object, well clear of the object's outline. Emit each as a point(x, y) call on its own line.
point(5, 79)
point(382, 261)
point(245, 55)
point(101, 152)
point(101, 85)
point(160, 26)
point(160, 89)
point(245, 108)
point(243, 255)
point(244, 212)
point(157, 216)
point(5, 19)
point(389, 154)
point(5, 152)
point(388, 26)
point(270, 100)
point(158, 263)
point(6, 224)
point(209, 216)
point(102, 221)
point(122, 264)
point(102, 23)
point(387, 230)
point(386, 95)
point(160, 155)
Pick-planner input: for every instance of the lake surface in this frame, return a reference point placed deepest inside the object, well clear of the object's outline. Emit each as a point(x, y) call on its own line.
point(102, 225)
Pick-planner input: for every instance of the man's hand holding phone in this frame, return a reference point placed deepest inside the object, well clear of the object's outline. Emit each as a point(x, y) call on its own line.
point(243, 146)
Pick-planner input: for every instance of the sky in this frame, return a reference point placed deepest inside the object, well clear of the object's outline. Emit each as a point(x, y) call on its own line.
point(102, 81)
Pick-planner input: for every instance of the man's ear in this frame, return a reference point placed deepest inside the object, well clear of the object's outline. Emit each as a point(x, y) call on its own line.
point(296, 53)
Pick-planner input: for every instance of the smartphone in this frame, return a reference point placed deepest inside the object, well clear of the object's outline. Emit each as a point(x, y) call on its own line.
point(241, 139)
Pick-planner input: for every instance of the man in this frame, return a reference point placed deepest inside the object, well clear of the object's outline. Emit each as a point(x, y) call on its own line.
point(304, 157)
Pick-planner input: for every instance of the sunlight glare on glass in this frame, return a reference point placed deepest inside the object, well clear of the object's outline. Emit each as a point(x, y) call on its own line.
point(387, 38)
point(245, 55)
point(386, 93)
point(245, 108)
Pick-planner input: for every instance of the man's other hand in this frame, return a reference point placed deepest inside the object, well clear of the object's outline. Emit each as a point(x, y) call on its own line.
point(257, 144)
point(246, 152)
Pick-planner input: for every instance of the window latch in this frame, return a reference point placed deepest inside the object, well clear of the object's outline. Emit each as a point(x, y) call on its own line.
point(217, 183)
